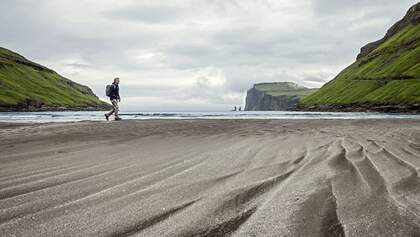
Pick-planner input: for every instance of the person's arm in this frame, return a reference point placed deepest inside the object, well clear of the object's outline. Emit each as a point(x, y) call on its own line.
point(118, 94)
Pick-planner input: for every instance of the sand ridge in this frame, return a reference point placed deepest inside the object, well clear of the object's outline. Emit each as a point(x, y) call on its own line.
point(211, 178)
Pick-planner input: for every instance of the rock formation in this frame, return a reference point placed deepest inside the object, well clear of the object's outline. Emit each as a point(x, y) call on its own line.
point(275, 96)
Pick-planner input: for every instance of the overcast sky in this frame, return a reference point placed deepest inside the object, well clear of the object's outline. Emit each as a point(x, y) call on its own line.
point(194, 54)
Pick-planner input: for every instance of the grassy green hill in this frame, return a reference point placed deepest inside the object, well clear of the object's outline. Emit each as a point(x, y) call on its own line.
point(28, 86)
point(386, 73)
point(284, 88)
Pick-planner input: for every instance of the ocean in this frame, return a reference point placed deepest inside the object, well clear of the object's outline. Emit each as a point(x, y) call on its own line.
point(74, 116)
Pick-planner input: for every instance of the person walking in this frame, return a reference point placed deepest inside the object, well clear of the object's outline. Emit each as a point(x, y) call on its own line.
point(113, 91)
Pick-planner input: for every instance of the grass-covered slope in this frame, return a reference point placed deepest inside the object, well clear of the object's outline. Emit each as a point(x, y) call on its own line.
point(27, 86)
point(387, 75)
point(284, 88)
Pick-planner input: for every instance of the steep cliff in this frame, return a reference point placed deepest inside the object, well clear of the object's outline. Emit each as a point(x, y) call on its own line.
point(385, 76)
point(28, 86)
point(275, 96)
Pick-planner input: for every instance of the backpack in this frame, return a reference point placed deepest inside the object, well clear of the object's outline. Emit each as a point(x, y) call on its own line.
point(108, 90)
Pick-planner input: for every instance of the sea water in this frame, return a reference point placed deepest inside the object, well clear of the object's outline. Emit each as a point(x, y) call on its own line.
point(74, 116)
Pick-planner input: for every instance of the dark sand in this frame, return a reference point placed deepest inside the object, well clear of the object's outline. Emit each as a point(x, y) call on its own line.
point(211, 178)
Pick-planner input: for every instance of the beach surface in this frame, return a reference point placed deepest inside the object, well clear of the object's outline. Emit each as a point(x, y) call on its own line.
point(211, 178)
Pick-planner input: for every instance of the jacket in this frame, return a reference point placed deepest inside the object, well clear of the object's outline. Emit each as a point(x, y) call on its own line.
point(115, 92)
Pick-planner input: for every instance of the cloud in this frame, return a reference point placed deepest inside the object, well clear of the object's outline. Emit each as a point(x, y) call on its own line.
point(153, 13)
point(194, 54)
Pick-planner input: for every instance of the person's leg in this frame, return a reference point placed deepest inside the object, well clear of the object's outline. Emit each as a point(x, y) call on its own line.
point(116, 109)
point(112, 110)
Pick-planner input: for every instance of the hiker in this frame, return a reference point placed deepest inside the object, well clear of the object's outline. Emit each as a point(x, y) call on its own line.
point(113, 92)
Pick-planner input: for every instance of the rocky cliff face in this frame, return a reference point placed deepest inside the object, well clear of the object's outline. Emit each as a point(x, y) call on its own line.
point(259, 100)
point(275, 96)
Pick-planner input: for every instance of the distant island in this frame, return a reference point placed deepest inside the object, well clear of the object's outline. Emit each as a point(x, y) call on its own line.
point(385, 76)
point(276, 96)
point(28, 86)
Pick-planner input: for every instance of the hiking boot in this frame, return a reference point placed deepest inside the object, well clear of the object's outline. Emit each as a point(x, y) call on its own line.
point(118, 119)
point(107, 117)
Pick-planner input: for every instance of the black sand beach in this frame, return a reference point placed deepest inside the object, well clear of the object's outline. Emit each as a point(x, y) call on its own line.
point(211, 178)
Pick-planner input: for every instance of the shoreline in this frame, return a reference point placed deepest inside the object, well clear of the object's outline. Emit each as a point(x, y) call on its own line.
point(386, 108)
point(60, 117)
point(28, 123)
point(52, 109)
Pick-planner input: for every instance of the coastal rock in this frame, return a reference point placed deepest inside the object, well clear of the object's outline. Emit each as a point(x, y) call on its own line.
point(275, 96)
point(259, 100)
point(407, 109)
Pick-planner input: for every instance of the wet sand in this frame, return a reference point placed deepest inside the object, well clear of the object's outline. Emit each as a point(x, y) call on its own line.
point(211, 178)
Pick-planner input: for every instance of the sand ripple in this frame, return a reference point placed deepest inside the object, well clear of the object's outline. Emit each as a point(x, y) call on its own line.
point(211, 178)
